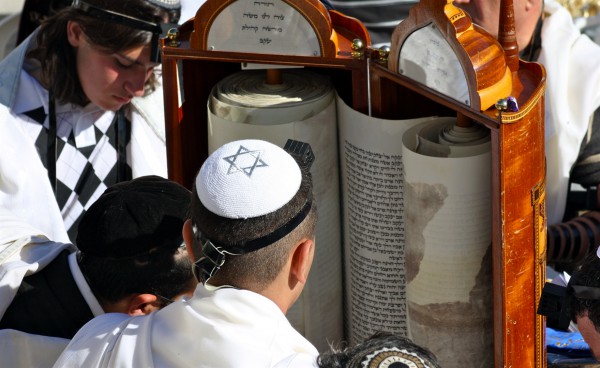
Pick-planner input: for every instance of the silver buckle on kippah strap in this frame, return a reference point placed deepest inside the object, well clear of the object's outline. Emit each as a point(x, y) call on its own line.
point(211, 261)
point(213, 258)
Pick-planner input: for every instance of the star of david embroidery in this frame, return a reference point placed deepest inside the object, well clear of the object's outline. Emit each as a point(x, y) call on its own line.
point(244, 161)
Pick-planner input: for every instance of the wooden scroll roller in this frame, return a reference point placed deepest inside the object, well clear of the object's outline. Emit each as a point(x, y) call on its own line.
point(274, 76)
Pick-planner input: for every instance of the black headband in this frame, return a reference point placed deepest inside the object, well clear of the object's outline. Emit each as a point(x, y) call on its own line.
point(125, 20)
point(263, 241)
point(214, 253)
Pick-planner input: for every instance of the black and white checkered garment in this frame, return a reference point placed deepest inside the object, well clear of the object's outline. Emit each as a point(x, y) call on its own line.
point(83, 173)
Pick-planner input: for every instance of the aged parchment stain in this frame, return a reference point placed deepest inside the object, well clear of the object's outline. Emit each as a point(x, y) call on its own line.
point(459, 333)
point(422, 202)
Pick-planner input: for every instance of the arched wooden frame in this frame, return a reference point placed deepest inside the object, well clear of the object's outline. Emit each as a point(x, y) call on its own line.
point(481, 57)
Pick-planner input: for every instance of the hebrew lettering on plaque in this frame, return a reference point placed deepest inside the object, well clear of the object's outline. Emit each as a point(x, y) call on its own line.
point(263, 27)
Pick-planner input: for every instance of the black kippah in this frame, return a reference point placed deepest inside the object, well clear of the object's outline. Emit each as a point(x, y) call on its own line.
point(133, 217)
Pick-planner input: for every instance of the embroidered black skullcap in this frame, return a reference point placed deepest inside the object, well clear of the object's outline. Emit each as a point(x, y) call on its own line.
point(133, 217)
point(387, 350)
point(381, 350)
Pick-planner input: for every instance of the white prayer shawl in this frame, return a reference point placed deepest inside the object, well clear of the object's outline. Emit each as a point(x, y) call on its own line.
point(24, 186)
point(572, 63)
point(226, 327)
point(24, 251)
point(22, 350)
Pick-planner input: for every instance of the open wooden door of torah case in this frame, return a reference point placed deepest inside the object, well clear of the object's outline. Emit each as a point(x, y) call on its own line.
point(439, 64)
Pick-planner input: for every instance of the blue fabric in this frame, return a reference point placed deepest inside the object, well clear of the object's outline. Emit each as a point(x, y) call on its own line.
point(569, 344)
point(565, 360)
point(10, 71)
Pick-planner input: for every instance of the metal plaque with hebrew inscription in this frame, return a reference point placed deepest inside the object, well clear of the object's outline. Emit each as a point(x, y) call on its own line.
point(263, 27)
point(428, 58)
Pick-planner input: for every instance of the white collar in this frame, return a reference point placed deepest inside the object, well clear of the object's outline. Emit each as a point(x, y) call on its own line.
point(29, 87)
point(83, 286)
point(79, 119)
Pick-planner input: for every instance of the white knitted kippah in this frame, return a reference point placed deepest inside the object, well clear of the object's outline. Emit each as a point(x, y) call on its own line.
point(247, 178)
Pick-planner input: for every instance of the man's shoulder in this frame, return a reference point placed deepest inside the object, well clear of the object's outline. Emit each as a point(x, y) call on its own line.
point(32, 251)
point(94, 342)
point(565, 49)
point(104, 325)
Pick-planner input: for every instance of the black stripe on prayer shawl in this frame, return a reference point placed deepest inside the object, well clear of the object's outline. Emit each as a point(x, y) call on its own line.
point(123, 136)
point(38, 115)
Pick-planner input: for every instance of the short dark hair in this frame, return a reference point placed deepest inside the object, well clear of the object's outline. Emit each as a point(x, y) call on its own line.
point(58, 58)
point(587, 274)
point(163, 272)
point(353, 356)
point(260, 267)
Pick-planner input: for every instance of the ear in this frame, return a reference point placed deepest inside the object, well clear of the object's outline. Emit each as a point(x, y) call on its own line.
point(188, 238)
point(74, 33)
point(302, 258)
point(142, 304)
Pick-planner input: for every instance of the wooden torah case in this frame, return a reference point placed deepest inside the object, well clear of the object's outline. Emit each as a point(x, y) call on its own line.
point(439, 64)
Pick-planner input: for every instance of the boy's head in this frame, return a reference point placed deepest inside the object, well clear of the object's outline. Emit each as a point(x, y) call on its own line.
point(252, 204)
point(130, 241)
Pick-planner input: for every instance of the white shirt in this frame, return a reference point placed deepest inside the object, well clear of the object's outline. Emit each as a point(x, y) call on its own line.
point(83, 286)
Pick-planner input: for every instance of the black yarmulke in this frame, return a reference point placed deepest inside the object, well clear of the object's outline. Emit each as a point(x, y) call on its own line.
point(133, 217)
